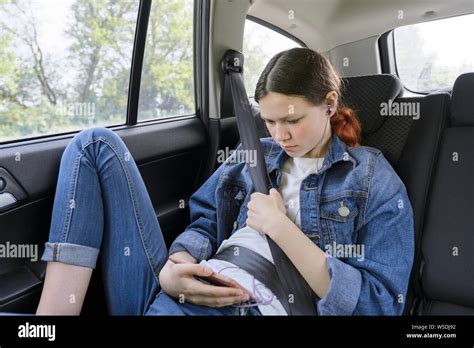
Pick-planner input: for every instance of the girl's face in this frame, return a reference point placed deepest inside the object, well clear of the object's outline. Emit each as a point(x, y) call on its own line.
point(296, 124)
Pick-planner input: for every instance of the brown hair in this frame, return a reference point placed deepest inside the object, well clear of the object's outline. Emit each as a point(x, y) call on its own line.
point(306, 73)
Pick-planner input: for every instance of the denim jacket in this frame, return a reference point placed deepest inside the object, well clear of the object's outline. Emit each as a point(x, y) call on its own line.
point(356, 202)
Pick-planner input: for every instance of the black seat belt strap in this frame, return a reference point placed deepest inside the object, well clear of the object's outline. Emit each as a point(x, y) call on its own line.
point(293, 283)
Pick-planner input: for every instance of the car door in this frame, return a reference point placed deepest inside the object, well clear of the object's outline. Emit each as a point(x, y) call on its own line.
point(132, 66)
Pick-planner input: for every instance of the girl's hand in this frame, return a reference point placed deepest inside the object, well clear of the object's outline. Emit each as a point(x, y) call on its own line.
point(177, 280)
point(265, 211)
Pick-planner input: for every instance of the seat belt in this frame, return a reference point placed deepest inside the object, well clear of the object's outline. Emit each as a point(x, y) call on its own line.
point(299, 295)
point(258, 266)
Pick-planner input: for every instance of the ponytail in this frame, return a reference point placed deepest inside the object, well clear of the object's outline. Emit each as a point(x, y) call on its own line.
point(346, 125)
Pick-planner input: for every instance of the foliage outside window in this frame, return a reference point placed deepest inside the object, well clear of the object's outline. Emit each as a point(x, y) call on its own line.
point(66, 64)
point(167, 84)
point(430, 56)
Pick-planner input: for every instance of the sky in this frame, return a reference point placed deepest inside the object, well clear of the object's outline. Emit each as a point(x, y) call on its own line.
point(53, 13)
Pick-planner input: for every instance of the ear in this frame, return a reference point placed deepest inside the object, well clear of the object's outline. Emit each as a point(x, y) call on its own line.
point(331, 99)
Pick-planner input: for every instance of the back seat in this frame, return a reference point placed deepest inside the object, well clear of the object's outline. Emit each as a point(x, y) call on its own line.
point(410, 143)
point(411, 146)
point(448, 235)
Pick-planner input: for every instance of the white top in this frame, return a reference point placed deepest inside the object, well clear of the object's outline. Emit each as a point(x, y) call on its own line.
point(294, 171)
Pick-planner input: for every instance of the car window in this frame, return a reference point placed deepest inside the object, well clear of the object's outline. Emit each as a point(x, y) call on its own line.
point(431, 55)
point(65, 65)
point(167, 83)
point(260, 45)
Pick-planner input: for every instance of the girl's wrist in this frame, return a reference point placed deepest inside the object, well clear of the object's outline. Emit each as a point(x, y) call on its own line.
point(278, 225)
point(182, 257)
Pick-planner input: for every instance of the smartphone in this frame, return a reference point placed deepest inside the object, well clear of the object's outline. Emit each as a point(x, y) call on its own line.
point(217, 279)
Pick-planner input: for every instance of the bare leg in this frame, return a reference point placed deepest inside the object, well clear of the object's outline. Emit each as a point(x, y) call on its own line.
point(64, 289)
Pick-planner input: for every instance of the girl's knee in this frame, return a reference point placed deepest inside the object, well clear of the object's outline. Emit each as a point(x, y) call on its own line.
point(96, 133)
point(91, 135)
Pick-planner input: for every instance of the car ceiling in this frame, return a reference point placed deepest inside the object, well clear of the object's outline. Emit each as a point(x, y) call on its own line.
point(325, 24)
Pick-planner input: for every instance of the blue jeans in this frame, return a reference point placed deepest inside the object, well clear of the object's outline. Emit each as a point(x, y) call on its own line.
point(102, 210)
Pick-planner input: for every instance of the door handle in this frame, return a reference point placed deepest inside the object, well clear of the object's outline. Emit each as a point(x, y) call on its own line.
point(11, 191)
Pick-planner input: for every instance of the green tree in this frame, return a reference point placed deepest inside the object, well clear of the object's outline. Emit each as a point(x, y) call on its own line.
point(102, 33)
point(96, 70)
point(167, 85)
point(24, 86)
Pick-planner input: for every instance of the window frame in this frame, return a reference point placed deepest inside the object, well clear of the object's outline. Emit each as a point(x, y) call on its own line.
point(137, 62)
point(388, 60)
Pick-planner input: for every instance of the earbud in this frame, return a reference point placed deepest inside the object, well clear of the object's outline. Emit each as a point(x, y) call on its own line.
point(329, 112)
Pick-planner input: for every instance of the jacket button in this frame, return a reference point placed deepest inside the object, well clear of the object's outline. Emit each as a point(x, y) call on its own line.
point(343, 210)
point(235, 225)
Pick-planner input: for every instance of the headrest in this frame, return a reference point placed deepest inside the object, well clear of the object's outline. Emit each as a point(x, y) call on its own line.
point(365, 94)
point(462, 102)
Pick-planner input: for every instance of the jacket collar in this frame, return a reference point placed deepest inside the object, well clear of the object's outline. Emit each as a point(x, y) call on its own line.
point(276, 156)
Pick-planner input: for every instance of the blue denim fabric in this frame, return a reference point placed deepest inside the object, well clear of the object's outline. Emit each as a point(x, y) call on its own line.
point(376, 214)
point(166, 305)
point(102, 211)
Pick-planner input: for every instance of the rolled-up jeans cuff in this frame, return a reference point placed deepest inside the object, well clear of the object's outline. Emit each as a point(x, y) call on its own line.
point(71, 254)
